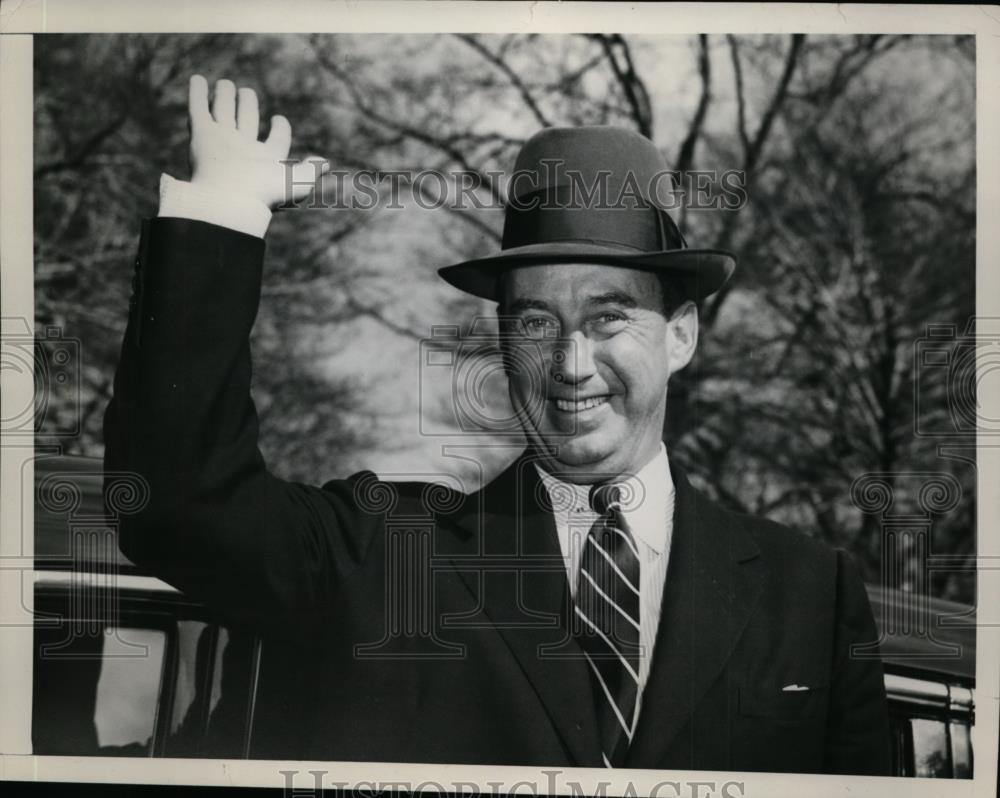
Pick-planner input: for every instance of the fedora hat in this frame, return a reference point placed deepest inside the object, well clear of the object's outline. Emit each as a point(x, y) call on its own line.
point(592, 194)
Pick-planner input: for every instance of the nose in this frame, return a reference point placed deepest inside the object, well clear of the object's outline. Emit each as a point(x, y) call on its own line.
point(573, 360)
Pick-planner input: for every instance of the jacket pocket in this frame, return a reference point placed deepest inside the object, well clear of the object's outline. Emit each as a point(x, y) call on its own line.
point(773, 702)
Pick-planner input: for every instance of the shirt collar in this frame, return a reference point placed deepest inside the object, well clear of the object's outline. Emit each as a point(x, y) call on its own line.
point(648, 496)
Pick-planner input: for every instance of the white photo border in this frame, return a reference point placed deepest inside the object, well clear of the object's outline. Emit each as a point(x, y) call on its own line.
point(19, 21)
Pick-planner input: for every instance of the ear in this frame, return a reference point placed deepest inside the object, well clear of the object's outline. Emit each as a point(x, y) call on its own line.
point(682, 336)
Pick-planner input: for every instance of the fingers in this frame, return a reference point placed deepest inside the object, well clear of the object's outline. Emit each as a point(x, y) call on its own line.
point(280, 137)
point(224, 106)
point(248, 114)
point(198, 100)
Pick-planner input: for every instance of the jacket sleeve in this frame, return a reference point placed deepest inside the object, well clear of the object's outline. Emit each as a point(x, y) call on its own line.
point(217, 524)
point(858, 739)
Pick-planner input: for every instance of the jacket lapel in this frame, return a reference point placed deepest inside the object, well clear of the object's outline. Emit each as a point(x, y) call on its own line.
point(712, 587)
point(511, 560)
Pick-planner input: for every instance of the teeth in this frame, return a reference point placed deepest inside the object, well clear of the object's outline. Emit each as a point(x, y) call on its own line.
point(583, 404)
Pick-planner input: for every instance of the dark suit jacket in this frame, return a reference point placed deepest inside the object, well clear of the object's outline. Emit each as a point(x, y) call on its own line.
point(409, 622)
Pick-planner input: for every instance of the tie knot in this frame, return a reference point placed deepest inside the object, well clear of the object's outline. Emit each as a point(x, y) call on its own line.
point(605, 497)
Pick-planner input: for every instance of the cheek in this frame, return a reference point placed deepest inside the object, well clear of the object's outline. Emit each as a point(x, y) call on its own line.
point(641, 369)
point(527, 375)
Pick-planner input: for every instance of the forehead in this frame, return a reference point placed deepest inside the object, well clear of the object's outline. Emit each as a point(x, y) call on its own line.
point(574, 284)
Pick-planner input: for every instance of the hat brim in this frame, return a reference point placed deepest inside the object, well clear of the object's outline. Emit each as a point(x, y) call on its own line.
point(701, 271)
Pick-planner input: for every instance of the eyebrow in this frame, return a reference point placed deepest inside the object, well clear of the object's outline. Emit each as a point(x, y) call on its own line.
point(613, 298)
point(608, 298)
point(519, 305)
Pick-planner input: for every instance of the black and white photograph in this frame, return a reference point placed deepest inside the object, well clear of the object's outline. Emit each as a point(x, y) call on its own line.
point(578, 400)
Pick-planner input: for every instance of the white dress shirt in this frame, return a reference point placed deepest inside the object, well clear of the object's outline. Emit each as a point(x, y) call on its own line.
point(648, 509)
point(184, 200)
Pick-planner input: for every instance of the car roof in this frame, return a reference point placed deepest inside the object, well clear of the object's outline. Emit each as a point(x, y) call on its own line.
point(69, 503)
point(923, 633)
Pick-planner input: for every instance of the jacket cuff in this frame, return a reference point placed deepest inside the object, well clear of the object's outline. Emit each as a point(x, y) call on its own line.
point(184, 200)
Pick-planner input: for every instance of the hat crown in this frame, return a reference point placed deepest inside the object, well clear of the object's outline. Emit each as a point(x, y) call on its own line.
point(590, 184)
point(601, 156)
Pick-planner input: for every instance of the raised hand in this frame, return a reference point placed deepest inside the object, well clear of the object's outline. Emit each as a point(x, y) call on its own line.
point(226, 155)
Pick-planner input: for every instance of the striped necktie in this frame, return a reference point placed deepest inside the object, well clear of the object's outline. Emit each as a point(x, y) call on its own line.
point(606, 621)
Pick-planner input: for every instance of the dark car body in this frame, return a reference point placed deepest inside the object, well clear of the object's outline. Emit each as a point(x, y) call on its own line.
point(125, 665)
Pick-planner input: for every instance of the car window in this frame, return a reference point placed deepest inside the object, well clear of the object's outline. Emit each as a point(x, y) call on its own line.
point(128, 688)
point(97, 694)
point(220, 650)
point(230, 695)
point(193, 642)
point(930, 748)
point(961, 750)
point(211, 692)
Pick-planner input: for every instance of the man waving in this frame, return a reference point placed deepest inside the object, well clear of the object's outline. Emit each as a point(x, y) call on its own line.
point(587, 607)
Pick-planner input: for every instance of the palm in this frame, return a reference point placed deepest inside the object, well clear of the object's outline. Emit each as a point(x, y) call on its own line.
point(225, 152)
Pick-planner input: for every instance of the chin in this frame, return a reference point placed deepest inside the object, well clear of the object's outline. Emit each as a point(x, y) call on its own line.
point(584, 455)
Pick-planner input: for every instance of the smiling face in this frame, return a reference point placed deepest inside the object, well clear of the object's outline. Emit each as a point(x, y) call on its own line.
point(589, 351)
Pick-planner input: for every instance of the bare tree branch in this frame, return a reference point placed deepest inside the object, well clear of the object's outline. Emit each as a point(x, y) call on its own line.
point(741, 108)
point(751, 160)
point(443, 144)
point(379, 316)
point(631, 84)
point(685, 156)
point(84, 150)
point(511, 75)
point(791, 61)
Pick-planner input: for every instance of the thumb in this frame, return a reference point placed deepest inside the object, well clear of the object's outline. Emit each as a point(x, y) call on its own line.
point(280, 137)
point(306, 174)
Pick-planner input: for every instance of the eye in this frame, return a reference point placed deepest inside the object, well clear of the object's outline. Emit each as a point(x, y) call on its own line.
point(610, 321)
point(540, 327)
